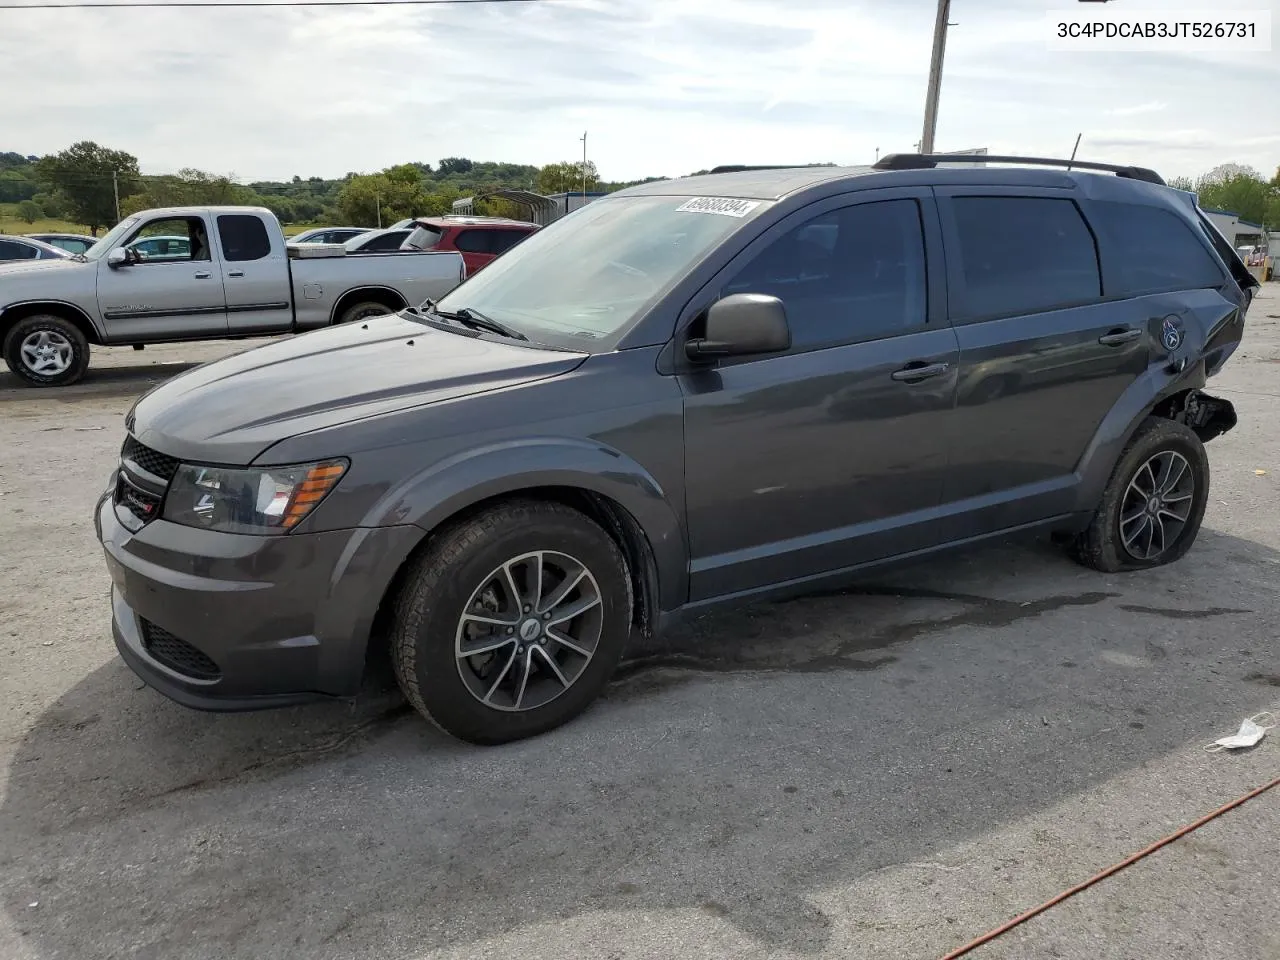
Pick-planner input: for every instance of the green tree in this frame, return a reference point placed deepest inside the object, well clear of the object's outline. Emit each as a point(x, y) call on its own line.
point(567, 177)
point(452, 165)
point(389, 196)
point(17, 185)
point(83, 174)
point(29, 211)
point(285, 209)
point(1244, 194)
point(190, 187)
point(52, 204)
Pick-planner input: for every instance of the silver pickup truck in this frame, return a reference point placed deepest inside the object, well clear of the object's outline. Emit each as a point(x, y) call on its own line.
point(210, 273)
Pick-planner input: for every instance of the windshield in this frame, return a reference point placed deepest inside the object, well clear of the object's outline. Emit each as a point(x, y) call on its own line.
point(111, 238)
point(589, 275)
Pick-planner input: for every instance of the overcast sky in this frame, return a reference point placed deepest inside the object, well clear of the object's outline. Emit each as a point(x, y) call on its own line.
point(664, 87)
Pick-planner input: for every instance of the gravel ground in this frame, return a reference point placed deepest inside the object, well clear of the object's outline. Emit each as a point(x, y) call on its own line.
point(884, 772)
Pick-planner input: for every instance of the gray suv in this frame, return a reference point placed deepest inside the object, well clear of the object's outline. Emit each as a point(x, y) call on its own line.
point(689, 393)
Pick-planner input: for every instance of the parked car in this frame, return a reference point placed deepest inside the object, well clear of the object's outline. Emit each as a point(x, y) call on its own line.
point(28, 248)
point(480, 240)
point(162, 248)
point(70, 242)
point(678, 397)
point(377, 241)
point(329, 234)
point(195, 273)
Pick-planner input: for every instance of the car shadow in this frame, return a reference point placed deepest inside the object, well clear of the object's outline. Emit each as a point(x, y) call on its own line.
point(736, 769)
point(103, 381)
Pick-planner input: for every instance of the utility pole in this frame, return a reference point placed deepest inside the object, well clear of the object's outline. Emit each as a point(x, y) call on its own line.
point(584, 166)
point(377, 205)
point(115, 188)
point(935, 76)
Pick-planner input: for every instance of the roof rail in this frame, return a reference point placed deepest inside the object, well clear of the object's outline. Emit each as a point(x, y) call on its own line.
point(926, 161)
point(740, 168)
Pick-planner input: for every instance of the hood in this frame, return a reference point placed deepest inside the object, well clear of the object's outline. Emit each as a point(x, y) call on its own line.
point(230, 410)
point(22, 268)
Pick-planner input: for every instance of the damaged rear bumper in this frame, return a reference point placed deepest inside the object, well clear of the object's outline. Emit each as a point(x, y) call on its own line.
point(1208, 416)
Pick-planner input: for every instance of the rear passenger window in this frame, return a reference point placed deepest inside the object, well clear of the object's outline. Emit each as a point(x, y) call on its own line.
point(1157, 250)
point(503, 240)
point(244, 237)
point(846, 276)
point(1022, 255)
point(473, 241)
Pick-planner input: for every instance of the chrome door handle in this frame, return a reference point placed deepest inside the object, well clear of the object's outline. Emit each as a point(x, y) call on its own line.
point(236, 273)
point(913, 373)
point(1118, 337)
point(202, 274)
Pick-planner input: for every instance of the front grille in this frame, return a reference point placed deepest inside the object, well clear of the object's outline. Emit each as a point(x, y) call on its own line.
point(143, 505)
point(177, 654)
point(153, 461)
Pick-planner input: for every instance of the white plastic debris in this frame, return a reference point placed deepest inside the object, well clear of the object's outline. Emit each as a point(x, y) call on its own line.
point(1250, 734)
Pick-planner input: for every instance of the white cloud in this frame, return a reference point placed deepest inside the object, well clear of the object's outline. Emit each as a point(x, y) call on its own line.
point(1153, 106)
point(663, 86)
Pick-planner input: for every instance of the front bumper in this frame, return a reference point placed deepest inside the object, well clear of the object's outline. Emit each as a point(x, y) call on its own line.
point(221, 621)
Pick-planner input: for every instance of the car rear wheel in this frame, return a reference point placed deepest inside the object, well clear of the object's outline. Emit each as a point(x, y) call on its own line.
point(1154, 503)
point(363, 311)
point(511, 624)
point(46, 351)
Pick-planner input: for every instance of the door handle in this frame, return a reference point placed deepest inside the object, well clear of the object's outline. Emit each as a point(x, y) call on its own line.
point(202, 274)
point(915, 372)
point(1118, 337)
point(236, 273)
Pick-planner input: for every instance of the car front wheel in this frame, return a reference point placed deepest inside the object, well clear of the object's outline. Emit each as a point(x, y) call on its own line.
point(511, 624)
point(363, 311)
point(46, 351)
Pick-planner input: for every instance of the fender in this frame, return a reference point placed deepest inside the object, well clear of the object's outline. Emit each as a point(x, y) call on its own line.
point(79, 311)
point(361, 289)
point(450, 486)
point(1117, 428)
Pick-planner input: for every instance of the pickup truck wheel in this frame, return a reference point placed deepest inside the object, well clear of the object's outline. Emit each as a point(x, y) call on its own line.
point(1153, 504)
point(46, 351)
point(362, 311)
point(512, 623)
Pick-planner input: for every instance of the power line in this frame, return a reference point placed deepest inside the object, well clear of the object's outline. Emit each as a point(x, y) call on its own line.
point(101, 4)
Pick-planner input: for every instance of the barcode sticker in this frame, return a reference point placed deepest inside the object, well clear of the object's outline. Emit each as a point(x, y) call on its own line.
point(724, 206)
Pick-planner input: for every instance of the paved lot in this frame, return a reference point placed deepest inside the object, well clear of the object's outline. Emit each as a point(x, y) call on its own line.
point(886, 772)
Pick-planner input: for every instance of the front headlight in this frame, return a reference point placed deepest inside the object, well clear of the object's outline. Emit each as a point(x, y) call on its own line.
point(262, 500)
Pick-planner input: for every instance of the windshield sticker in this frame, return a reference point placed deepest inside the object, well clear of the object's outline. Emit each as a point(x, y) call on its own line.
point(721, 205)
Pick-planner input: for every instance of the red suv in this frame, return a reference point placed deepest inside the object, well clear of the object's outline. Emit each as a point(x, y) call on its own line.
point(479, 239)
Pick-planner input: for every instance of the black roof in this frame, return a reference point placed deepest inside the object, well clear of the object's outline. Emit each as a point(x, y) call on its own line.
point(776, 182)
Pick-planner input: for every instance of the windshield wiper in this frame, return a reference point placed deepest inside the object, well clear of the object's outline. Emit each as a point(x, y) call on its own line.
point(477, 320)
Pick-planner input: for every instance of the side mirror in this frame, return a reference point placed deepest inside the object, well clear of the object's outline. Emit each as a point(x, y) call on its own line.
point(118, 257)
point(742, 324)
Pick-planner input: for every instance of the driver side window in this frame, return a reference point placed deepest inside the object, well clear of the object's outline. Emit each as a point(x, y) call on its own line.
point(846, 276)
point(173, 239)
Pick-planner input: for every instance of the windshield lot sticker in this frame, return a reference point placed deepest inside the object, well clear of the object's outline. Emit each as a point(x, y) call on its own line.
point(721, 205)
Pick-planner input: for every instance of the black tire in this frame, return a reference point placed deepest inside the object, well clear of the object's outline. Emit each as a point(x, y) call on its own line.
point(363, 310)
point(1102, 546)
point(444, 579)
point(62, 333)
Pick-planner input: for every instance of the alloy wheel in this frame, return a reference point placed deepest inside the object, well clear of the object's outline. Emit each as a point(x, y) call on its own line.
point(529, 631)
point(46, 353)
point(1157, 505)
